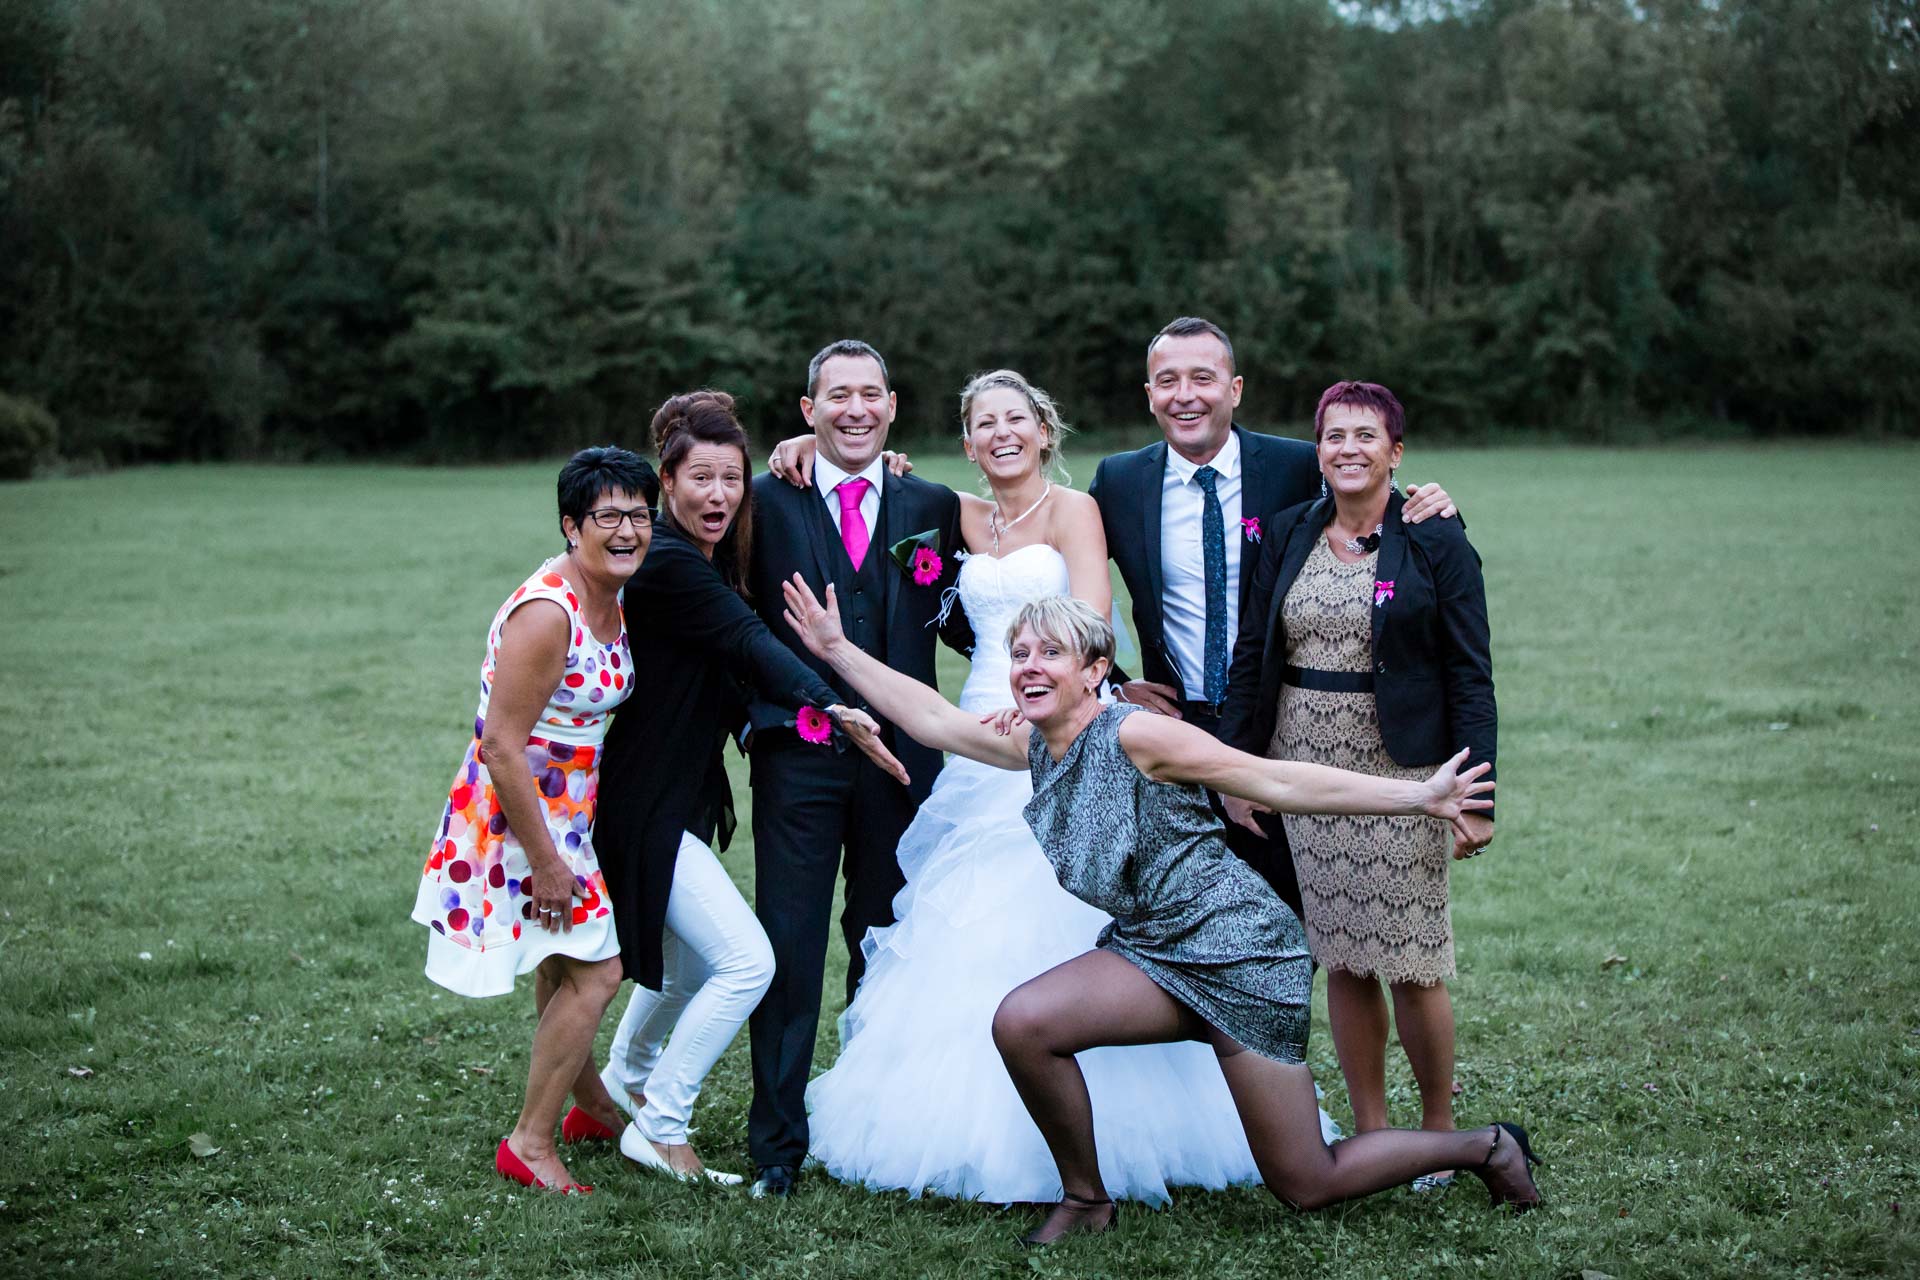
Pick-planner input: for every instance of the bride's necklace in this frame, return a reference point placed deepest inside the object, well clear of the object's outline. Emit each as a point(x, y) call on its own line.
point(996, 526)
point(1361, 546)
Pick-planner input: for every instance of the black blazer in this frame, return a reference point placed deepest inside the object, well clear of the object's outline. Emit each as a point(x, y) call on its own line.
point(1274, 473)
point(1432, 672)
point(694, 642)
point(794, 534)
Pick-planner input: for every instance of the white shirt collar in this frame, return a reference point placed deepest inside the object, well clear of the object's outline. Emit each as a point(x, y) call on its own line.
point(827, 477)
point(1226, 462)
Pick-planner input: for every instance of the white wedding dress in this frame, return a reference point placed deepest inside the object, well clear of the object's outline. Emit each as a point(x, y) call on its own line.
point(919, 1099)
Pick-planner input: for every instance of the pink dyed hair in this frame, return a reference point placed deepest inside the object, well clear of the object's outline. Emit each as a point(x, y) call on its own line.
point(1362, 395)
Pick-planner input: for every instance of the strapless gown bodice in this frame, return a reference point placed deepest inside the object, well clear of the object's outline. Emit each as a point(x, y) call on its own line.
point(993, 589)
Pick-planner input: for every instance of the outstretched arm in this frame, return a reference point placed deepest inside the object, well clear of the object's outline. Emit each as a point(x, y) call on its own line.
point(1169, 751)
point(916, 710)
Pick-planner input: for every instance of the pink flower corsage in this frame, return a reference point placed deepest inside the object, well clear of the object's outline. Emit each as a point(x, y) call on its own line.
point(919, 557)
point(813, 725)
point(1252, 527)
point(1382, 591)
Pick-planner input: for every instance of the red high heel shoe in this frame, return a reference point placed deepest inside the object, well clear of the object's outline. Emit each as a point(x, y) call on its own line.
point(514, 1169)
point(578, 1126)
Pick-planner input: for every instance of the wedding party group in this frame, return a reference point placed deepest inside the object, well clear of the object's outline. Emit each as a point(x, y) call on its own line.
point(1081, 950)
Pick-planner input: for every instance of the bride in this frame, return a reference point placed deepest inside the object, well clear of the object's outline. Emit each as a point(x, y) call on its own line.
point(919, 1099)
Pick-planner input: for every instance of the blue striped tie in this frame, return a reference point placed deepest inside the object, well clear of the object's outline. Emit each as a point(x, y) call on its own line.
point(1213, 541)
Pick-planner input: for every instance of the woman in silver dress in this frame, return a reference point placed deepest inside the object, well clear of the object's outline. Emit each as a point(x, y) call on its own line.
point(1200, 947)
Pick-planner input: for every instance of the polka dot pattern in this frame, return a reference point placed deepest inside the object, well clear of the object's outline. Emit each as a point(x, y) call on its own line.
point(477, 878)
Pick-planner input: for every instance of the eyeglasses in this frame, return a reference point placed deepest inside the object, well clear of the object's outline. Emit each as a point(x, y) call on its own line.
point(610, 517)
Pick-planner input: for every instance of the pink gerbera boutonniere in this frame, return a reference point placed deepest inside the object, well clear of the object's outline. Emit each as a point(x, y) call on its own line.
point(813, 725)
point(919, 557)
point(1252, 527)
point(1382, 591)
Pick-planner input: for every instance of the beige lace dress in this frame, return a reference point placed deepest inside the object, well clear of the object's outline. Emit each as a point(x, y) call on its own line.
point(1374, 888)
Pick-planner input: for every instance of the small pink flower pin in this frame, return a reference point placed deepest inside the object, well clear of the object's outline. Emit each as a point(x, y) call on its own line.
point(1382, 591)
point(1252, 526)
point(927, 567)
point(813, 725)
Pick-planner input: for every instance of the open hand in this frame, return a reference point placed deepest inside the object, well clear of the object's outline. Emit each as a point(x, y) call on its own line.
point(1242, 811)
point(817, 625)
point(1004, 722)
point(1471, 833)
point(1451, 792)
point(864, 731)
point(1425, 501)
point(1161, 698)
point(792, 461)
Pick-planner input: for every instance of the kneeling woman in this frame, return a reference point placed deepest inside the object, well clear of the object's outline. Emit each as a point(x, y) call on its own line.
point(686, 935)
point(1200, 948)
point(512, 882)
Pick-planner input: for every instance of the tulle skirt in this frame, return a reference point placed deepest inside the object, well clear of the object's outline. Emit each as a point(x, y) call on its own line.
point(919, 1099)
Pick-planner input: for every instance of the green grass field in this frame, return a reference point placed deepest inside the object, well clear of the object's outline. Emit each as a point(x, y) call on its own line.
point(234, 697)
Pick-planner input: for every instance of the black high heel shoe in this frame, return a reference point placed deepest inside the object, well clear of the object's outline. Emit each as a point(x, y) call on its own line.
point(1530, 1162)
point(1038, 1235)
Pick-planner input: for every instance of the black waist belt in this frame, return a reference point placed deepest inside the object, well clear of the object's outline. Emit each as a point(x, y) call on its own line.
point(1329, 681)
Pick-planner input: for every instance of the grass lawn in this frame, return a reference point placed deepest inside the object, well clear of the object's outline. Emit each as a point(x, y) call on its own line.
point(234, 698)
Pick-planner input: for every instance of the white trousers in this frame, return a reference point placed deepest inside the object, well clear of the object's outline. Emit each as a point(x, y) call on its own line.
point(718, 963)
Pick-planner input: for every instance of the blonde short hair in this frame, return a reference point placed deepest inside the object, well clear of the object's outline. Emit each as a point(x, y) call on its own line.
point(1066, 621)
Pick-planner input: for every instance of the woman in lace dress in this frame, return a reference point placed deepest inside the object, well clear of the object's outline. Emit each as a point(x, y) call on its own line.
point(1367, 640)
point(918, 1099)
point(1200, 947)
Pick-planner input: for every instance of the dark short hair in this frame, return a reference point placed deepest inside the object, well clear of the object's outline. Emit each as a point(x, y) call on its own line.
point(843, 347)
point(1191, 326)
point(1362, 395)
point(592, 472)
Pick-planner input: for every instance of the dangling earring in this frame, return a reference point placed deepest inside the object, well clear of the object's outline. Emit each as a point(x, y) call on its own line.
point(1391, 486)
point(1323, 486)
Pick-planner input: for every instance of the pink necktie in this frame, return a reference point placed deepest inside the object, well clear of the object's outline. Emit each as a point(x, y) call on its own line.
point(853, 528)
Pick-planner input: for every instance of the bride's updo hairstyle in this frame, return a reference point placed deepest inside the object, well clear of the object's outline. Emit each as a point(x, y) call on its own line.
point(1072, 624)
point(1045, 412)
point(706, 417)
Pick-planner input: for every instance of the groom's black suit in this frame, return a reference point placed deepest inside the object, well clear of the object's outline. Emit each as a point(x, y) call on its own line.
point(811, 803)
point(1275, 473)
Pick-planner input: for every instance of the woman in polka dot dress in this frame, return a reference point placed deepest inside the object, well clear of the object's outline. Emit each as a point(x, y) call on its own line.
point(512, 883)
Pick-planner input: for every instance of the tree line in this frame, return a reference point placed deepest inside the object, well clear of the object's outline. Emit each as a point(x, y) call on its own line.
point(289, 228)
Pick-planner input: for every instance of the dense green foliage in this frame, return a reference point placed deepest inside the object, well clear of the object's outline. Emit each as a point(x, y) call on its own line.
point(1687, 964)
point(279, 227)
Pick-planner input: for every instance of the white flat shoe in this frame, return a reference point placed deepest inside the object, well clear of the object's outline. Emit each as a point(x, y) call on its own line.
point(635, 1146)
point(618, 1092)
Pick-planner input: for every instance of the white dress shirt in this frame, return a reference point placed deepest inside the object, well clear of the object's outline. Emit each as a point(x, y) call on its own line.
point(827, 478)
point(1183, 560)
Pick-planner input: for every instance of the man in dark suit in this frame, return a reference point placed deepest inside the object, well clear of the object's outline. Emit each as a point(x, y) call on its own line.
point(816, 811)
point(1184, 518)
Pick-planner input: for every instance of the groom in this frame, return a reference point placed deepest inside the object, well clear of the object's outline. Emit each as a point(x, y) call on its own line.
point(1183, 518)
point(817, 811)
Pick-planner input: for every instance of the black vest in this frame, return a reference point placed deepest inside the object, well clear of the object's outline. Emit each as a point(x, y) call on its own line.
point(862, 593)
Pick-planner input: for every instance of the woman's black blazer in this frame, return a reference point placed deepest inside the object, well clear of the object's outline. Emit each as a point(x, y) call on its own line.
point(695, 642)
point(1432, 673)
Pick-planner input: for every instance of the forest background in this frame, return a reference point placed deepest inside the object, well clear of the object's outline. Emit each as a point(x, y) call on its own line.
point(326, 228)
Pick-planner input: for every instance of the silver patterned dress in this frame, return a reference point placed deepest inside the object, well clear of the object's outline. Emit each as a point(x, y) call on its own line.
point(1187, 912)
